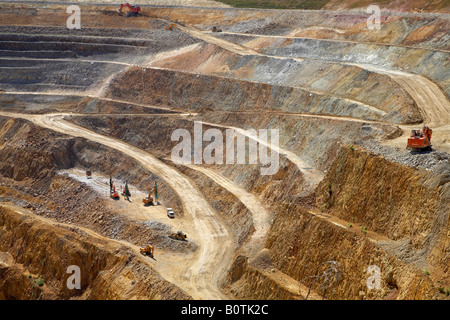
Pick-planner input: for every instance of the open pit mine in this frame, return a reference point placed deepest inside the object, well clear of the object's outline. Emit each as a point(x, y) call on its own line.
point(199, 150)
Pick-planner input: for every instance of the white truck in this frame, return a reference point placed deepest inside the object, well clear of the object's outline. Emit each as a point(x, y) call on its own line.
point(170, 213)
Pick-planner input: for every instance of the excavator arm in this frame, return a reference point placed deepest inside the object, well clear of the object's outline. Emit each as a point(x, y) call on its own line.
point(148, 200)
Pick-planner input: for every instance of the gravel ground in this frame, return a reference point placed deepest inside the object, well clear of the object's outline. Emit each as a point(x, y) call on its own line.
point(430, 160)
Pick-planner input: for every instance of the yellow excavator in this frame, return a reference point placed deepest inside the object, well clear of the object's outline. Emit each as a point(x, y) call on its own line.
point(148, 201)
point(178, 236)
point(148, 250)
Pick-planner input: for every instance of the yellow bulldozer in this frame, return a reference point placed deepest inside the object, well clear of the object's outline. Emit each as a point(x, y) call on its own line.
point(178, 236)
point(148, 250)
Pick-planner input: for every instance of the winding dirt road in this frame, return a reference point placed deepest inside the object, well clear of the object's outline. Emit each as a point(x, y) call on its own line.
point(311, 175)
point(431, 101)
point(260, 215)
point(199, 276)
point(429, 98)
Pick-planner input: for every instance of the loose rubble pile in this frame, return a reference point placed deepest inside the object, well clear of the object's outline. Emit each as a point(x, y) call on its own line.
point(428, 160)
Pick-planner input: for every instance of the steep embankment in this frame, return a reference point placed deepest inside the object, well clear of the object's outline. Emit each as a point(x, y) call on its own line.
point(36, 254)
point(210, 233)
point(192, 91)
point(400, 223)
point(300, 243)
point(294, 85)
point(399, 202)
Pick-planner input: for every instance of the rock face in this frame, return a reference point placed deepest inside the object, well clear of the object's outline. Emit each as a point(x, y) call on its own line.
point(41, 154)
point(226, 91)
point(408, 206)
point(40, 250)
point(34, 247)
point(407, 239)
point(397, 201)
point(340, 207)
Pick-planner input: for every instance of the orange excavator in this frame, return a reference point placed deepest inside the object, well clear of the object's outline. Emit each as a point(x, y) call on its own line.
point(129, 10)
point(172, 27)
point(112, 190)
point(114, 194)
point(420, 139)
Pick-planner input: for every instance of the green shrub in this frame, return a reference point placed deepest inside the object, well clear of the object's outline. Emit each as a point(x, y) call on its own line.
point(39, 281)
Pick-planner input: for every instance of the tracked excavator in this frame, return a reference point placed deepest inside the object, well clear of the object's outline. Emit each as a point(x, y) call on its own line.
point(172, 27)
point(129, 10)
point(178, 236)
point(148, 250)
point(148, 201)
point(114, 194)
point(112, 190)
point(420, 139)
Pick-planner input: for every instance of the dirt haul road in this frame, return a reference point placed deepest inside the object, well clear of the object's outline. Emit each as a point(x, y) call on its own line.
point(98, 93)
point(213, 249)
point(431, 101)
point(260, 215)
point(227, 45)
point(312, 176)
point(198, 276)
